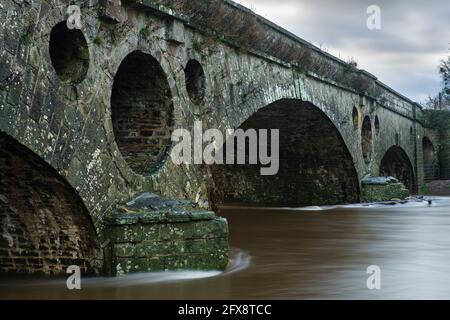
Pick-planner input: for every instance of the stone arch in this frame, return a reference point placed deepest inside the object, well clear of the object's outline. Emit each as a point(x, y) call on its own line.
point(142, 112)
point(396, 163)
point(430, 160)
point(316, 167)
point(45, 224)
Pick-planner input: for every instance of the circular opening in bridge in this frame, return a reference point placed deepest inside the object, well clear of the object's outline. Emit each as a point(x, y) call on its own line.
point(314, 164)
point(195, 81)
point(397, 138)
point(377, 125)
point(142, 112)
point(46, 226)
point(430, 160)
point(396, 163)
point(355, 117)
point(69, 53)
point(366, 139)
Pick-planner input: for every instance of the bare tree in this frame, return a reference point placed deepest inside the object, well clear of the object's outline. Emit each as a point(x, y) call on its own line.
point(444, 70)
point(442, 100)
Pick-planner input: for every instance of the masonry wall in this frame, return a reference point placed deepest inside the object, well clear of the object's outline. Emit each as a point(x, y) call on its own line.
point(45, 225)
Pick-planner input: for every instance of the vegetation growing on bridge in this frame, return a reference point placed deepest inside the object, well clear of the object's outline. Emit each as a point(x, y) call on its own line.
point(245, 29)
point(442, 100)
point(439, 120)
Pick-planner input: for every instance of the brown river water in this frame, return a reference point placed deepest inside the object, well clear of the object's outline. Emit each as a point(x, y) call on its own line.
point(306, 253)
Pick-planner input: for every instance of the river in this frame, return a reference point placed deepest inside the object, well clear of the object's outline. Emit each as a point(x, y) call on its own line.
point(304, 253)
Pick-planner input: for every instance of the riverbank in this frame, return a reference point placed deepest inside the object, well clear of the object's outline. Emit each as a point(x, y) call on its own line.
point(439, 187)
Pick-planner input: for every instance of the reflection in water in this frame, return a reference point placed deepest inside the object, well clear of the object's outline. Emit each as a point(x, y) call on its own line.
point(239, 260)
point(305, 253)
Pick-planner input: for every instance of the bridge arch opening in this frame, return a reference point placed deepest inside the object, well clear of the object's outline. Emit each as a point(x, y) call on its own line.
point(45, 225)
point(366, 139)
point(142, 112)
point(430, 161)
point(69, 53)
point(396, 163)
point(315, 166)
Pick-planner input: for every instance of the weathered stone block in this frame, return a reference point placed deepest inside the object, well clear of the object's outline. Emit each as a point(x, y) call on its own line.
point(38, 104)
point(123, 232)
point(111, 10)
point(175, 31)
point(15, 89)
point(202, 215)
point(11, 41)
point(212, 261)
point(5, 72)
point(376, 189)
point(175, 237)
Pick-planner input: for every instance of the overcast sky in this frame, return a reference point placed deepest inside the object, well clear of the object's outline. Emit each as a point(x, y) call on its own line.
point(405, 53)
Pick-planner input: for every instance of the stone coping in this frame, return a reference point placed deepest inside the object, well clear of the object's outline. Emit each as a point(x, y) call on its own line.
point(160, 217)
point(150, 208)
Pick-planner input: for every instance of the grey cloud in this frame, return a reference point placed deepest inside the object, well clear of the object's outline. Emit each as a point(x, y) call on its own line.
point(404, 53)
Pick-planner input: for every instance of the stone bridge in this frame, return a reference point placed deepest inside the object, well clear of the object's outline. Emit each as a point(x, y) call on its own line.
point(86, 117)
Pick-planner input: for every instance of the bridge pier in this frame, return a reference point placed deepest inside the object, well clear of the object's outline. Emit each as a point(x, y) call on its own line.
point(376, 189)
point(154, 234)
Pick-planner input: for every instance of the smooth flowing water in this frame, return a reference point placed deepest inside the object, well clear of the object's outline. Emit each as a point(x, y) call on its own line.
point(306, 253)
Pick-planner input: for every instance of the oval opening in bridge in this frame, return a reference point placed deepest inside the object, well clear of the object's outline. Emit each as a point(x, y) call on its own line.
point(45, 226)
point(195, 81)
point(142, 112)
point(377, 125)
point(69, 53)
point(366, 139)
point(355, 117)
